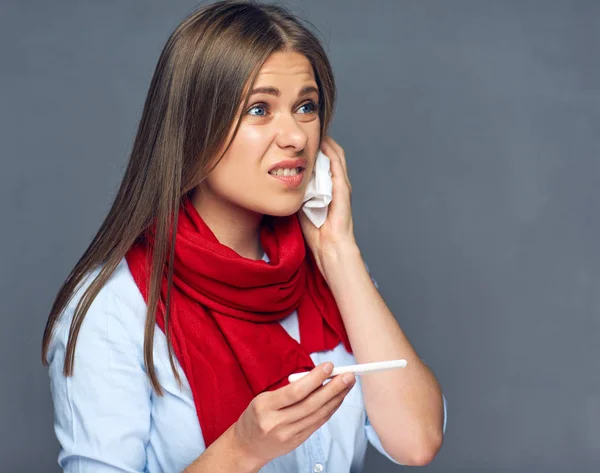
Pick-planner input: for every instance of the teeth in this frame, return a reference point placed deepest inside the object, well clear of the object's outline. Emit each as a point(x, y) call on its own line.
point(285, 172)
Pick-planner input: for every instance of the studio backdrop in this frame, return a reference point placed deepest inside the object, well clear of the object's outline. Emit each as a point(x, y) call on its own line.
point(472, 135)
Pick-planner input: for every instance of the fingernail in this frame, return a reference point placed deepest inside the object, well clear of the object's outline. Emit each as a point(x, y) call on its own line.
point(348, 379)
point(328, 368)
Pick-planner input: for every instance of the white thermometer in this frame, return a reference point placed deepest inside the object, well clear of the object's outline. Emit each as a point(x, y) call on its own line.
point(363, 368)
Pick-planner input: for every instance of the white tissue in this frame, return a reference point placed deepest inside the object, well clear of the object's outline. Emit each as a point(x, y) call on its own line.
point(319, 191)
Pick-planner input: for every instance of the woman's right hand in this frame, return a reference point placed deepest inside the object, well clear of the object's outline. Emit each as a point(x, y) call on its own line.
point(276, 422)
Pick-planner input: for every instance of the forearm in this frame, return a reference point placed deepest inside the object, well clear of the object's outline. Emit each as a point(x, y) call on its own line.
point(404, 406)
point(224, 456)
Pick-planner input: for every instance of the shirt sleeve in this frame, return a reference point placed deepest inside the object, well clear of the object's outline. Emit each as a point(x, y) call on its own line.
point(101, 412)
point(374, 438)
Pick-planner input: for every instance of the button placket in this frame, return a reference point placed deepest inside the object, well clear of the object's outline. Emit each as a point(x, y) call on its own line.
point(319, 466)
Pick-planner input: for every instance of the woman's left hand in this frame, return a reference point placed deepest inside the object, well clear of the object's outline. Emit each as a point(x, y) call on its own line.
point(337, 232)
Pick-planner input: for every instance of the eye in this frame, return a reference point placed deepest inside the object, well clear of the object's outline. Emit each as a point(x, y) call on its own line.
point(309, 107)
point(258, 110)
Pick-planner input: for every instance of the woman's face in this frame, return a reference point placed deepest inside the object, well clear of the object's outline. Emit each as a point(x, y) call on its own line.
point(268, 165)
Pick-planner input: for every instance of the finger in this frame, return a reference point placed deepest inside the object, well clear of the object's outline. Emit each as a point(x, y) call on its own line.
point(336, 163)
point(315, 420)
point(334, 144)
point(329, 150)
point(316, 400)
point(307, 227)
point(304, 428)
point(337, 169)
point(338, 174)
point(298, 390)
point(340, 152)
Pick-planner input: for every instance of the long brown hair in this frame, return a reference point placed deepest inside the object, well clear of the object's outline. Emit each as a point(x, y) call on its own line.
point(198, 87)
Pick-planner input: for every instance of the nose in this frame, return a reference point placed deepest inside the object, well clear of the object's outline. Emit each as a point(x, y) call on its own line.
point(290, 134)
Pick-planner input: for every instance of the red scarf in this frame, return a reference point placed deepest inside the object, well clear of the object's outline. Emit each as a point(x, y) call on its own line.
point(225, 311)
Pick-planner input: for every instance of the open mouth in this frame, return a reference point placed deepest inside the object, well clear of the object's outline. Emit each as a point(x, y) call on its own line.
point(286, 171)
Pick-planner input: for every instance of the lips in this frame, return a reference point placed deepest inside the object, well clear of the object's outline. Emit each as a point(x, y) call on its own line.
point(289, 172)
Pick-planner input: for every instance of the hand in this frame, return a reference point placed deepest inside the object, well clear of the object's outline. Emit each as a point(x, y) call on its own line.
point(276, 422)
point(338, 229)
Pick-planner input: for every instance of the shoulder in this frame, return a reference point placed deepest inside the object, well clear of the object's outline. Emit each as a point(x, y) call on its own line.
point(116, 316)
point(103, 410)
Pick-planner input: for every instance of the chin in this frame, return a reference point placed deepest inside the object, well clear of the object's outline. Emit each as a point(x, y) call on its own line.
point(282, 210)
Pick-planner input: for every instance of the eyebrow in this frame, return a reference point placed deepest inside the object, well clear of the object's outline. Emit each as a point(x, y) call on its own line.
point(275, 91)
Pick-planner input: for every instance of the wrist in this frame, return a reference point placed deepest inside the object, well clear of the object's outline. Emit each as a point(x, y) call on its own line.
point(337, 258)
point(226, 454)
point(246, 458)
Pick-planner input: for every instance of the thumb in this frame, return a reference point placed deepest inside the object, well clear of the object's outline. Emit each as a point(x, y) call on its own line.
point(307, 226)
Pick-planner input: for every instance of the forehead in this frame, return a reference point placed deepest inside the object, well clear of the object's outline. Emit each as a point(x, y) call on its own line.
point(285, 67)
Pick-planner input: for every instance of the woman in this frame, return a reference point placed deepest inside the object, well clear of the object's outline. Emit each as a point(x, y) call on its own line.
point(205, 242)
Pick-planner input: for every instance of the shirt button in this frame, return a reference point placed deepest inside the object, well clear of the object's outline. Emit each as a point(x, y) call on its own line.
point(318, 468)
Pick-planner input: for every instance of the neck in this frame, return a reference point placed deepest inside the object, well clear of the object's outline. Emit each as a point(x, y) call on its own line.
point(234, 226)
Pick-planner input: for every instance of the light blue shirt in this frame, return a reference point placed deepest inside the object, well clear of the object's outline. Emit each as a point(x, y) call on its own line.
point(108, 419)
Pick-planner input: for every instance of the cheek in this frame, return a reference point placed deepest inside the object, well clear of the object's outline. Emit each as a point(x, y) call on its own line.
point(245, 153)
point(250, 145)
point(239, 172)
point(258, 137)
point(232, 176)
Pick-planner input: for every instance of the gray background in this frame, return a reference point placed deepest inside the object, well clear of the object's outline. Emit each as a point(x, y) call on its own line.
point(472, 135)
